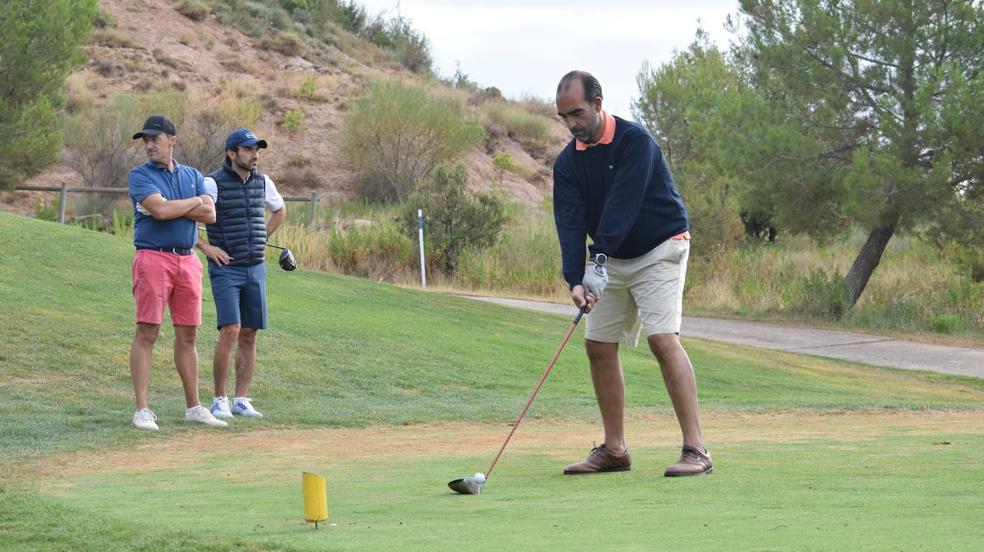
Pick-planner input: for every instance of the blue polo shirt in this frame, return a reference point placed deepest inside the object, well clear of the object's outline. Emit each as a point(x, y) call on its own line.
point(153, 178)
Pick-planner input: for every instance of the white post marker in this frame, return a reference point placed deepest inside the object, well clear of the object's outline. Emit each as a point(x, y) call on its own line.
point(420, 235)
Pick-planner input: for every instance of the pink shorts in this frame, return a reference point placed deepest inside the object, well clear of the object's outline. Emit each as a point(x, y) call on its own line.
point(161, 279)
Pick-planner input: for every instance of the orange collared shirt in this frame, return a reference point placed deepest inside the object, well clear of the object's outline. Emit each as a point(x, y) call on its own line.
point(606, 135)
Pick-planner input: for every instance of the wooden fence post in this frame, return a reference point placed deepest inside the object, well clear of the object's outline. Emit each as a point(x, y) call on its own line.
point(62, 202)
point(314, 208)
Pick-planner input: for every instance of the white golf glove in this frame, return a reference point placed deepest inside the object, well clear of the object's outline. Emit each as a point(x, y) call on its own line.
point(595, 280)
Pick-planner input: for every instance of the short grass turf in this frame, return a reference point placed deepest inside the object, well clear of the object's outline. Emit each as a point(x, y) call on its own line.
point(797, 482)
point(349, 355)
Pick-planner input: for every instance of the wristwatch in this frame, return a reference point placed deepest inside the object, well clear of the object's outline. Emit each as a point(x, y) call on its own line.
point(599, 259)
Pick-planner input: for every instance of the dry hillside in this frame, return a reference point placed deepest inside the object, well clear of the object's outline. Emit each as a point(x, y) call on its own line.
point(147, 44)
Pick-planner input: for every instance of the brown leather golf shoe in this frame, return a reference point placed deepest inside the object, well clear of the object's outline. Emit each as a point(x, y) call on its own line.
point(692, 462)
point(601, 459)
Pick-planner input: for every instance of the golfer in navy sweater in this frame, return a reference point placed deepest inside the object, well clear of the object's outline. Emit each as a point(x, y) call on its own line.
point(612, 184)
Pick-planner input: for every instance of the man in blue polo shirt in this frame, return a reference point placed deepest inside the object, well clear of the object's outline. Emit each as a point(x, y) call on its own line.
point(236, 267)
point(612, 184)
point(169, 199)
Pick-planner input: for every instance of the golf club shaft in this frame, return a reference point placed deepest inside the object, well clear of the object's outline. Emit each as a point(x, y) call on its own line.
point(275, 246)
point(536, 390)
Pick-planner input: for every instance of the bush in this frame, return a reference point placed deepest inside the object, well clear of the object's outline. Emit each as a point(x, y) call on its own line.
point(192, 9)
point(503, 163)
point(712, 207)
point(823, 297)
point(351, 16)
point(455, 220)
point(202, 141)
point(293, 120)
point(947, 323)
point(103, 19)
point(398, 36)
point(289, 44)
point(46, 209)
point(521, 125)
point(396, 133)
point(308, 87)
point(99, 146)
point(113, 39)
point(378, 251)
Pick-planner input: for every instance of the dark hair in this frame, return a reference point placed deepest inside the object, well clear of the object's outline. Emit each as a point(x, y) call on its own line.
point(592, 88)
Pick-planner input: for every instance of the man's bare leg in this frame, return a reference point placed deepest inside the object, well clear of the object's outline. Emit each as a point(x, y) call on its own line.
point(245, 361)
point(186, 361)
point(681, 385)
point(228, 335)
point(141, 355)
point(609, 386)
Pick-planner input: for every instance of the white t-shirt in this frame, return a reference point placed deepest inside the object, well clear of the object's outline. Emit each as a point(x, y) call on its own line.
point(274, 201)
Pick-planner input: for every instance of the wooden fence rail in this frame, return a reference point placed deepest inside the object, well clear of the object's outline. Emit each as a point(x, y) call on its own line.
point(64, 190)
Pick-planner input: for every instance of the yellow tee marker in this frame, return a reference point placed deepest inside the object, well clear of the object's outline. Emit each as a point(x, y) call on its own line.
point(315, 498)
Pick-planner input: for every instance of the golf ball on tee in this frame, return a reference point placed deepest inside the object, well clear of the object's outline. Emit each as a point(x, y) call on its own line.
point(480, 477)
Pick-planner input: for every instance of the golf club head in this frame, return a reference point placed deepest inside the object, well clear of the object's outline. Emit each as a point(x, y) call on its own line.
point(466, 485)
point(287, 261)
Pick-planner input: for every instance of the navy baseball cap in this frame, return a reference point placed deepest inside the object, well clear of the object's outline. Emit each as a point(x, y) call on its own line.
point(243, 137)
point(156, 124)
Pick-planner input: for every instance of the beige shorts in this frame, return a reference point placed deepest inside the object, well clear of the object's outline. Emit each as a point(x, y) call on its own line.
point(644, 292)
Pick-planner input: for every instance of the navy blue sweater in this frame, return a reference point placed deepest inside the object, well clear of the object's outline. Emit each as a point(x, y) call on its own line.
point(620, 194)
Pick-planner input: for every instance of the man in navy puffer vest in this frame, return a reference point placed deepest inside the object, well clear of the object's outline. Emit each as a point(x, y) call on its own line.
point(236, 267)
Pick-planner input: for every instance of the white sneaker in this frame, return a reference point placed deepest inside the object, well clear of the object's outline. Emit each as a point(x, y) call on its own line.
point(145, 419)
point(220, 408)
point(200, 414)
point(242, 406)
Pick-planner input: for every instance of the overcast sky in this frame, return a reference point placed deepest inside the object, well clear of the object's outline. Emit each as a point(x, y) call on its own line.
point(525, 47)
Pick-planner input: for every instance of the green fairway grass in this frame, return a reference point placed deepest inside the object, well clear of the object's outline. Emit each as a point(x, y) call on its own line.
point(827, 489)
point(349, 355)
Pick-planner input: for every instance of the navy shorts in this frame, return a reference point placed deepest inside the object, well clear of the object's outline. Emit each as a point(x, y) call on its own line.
point(240, 295)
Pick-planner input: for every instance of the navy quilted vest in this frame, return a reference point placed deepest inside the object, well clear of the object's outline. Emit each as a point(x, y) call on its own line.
point(239, 228)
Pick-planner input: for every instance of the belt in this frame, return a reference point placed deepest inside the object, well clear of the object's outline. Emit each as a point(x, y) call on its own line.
point(175, 250)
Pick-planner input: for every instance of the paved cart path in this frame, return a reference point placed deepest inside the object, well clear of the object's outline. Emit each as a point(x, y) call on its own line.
point(855, 347)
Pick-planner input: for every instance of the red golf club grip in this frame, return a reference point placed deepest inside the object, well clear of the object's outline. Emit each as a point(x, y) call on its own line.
point(536, 390)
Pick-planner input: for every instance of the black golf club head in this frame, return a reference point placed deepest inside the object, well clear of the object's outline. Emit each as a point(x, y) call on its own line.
point(287, 261)
point(466, 485)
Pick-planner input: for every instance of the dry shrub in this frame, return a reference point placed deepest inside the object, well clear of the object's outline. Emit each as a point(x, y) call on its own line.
point(298, 161)
point(192, 9)
point(236, 65)
point(162, 57)
point(538, 106)
point(106, 67)
point(289, 44)
point(145, 84)
point(396, 133)
point(298, 178)
point(209, 122)
point(99, 143)
point(81, 90)
point(521, 125)
point(113, 39)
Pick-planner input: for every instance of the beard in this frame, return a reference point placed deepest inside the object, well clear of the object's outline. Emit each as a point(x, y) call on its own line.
point(247, 166)
point(587, 133)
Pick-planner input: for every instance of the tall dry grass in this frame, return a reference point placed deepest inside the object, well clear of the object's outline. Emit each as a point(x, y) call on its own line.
point(914, 290)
